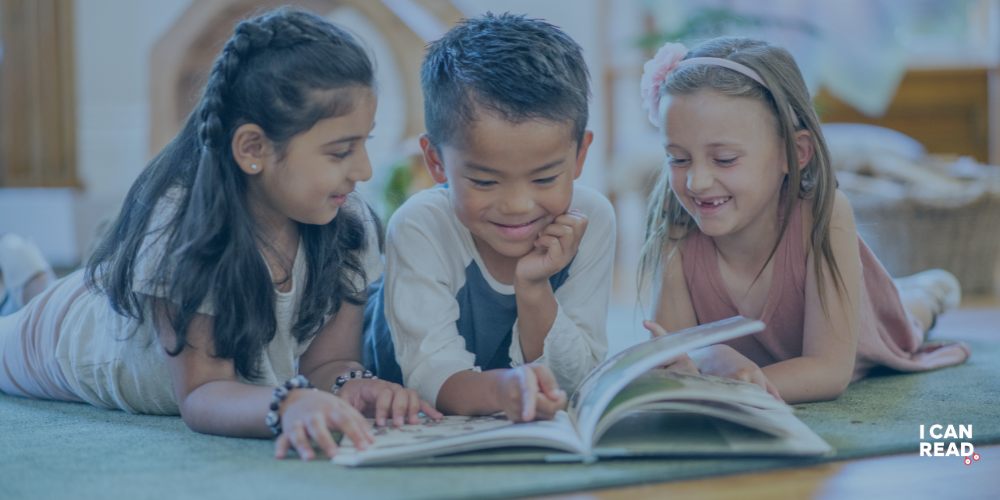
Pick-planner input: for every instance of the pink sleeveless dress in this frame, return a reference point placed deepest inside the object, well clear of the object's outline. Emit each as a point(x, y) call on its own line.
point(888, 335)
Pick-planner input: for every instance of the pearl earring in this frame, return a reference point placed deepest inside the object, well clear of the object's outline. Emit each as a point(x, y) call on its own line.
point(253, 167)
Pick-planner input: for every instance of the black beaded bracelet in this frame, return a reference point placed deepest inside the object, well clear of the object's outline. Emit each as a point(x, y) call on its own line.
point(341, 380)
point(278, 396)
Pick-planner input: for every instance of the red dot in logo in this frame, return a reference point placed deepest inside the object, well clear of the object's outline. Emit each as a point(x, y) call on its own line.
point(975, 456)
point(968, 461)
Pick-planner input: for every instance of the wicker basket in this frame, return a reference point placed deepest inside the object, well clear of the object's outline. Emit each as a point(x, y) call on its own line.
point(960, 234)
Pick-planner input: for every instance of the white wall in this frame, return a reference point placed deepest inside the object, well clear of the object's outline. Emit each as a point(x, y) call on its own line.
point(113, 41)
point(390, 118)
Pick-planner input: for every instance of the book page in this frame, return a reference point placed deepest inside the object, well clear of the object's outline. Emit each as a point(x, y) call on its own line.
point(455, 434)
point(597, 390)
point(694, 434)
point(732, 400)
point(429, 430)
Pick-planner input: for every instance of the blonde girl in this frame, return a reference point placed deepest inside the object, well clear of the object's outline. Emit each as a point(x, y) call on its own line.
point(746, 219)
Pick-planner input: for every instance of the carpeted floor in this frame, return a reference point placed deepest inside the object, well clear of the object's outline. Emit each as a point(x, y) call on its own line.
point(60, 450)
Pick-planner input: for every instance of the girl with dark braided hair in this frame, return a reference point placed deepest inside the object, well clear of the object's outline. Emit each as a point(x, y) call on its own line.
point(239, 261)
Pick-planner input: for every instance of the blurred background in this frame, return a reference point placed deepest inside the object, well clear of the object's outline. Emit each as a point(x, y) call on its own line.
point(90, 90)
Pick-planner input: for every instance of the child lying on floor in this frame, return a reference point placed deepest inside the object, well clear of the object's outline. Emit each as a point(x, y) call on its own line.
point(497, 284)
point(238, 263)
point(747, 220)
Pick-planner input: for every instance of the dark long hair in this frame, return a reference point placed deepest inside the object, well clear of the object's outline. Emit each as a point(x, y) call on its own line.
point(276, 71)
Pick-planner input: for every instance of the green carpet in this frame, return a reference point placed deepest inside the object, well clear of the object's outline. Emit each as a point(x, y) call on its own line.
point(59, 450)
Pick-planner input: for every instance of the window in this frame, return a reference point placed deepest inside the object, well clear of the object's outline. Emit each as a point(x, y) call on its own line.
point(37, 105)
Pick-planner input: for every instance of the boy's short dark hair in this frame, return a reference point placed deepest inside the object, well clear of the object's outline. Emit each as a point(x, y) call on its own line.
point(522, 69)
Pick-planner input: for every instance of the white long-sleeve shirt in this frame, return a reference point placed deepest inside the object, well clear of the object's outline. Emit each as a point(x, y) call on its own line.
point(446, 313)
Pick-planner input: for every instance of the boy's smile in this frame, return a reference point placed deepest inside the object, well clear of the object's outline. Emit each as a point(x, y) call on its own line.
point(508, 181)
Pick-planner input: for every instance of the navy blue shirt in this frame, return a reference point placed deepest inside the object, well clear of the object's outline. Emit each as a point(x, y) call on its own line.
point(486, 322)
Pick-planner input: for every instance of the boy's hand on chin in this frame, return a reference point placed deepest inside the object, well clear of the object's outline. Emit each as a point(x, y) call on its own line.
point(555, 247)
point(530, 392)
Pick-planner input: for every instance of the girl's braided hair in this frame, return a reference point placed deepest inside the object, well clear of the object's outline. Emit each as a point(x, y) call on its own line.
point(283, 71)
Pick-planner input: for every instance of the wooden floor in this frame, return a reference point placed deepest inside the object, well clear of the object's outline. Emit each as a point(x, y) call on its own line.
point(904, 477)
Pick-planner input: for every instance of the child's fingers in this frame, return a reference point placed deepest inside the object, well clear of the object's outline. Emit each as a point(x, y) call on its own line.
point(682, 363)
point(755, 377)
point(413, 408)
point(558, 231)
point(281, 446)
point(400, 404)
point(547, 408)
point(354, 426)
point(553, 249)
point(383, 403)
point(546, 241)
point(772, 390)
point(574, 218)
point(547, 382)
point(321, 434)
point(430, 411)
point(297, 435)
point(654, 328)
point(529, 389)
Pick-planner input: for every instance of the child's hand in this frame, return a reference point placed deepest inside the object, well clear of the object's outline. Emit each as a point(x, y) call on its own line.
point(723, 361)
point(682, 363)
point(530, 391)
point(308, 415)
point(377, 398)
point(555, 247)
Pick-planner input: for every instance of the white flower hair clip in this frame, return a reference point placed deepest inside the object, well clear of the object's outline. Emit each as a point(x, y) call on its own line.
point(671, 57)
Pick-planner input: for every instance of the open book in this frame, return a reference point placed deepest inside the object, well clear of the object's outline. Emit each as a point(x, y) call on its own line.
point(624, 407)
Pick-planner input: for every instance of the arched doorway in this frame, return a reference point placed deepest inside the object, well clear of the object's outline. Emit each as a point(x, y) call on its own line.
point(182, 58)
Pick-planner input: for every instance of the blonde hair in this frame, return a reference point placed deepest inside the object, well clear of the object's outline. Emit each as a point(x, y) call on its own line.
point(666, 218)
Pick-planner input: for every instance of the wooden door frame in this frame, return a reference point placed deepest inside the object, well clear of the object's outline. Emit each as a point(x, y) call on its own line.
point(182, 58)
point(37, 94)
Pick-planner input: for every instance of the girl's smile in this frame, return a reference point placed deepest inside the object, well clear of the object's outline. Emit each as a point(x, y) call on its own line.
point(726, 160)
point(340, 199)
point(709, 206)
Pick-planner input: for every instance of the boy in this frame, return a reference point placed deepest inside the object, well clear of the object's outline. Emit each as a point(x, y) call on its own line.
point(507, 265)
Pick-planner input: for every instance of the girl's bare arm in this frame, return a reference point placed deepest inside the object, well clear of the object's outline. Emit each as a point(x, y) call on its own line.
point(213, 401)
point(830, 337)
point(674, 309)
point(210, 397)
point(336, 349)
